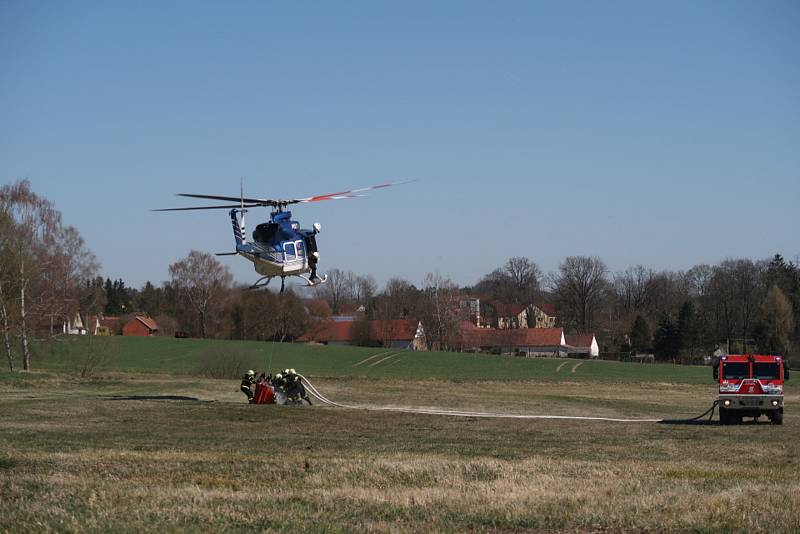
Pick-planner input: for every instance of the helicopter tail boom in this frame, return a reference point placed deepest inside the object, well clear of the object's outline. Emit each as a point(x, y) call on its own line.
point(238, 228)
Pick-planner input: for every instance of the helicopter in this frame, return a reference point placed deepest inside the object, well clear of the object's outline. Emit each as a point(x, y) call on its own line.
point(279, 247)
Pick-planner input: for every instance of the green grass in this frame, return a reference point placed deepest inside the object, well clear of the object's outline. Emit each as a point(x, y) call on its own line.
point(185, 356)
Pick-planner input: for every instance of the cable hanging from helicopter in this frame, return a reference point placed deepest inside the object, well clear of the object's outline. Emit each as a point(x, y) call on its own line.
point(279, 247)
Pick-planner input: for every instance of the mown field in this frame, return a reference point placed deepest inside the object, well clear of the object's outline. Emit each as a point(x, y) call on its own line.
point(149, 447)
point(186, 356)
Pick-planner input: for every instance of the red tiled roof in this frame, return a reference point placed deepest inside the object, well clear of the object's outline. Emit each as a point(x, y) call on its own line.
point(332, 331)
point(348, 309)
point(147, 321)
point(525, 337)
point(579, 340)
point(549, 309)
point(345, 331)
point(393, 329)
point(468, 325)
point(318, 307)
point(508, 310)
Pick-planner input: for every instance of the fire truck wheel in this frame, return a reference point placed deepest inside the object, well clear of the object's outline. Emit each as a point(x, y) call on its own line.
point(724, 417)
point(777, 418)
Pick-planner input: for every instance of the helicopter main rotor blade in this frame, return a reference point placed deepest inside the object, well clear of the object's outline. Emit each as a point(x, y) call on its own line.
point(210, 207)
point(347, 194)
point(257, 201)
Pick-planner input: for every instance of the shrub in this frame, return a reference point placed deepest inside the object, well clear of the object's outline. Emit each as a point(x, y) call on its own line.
point(225, 362)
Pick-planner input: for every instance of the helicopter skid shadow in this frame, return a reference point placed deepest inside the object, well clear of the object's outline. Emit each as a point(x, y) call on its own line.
point(152, 398)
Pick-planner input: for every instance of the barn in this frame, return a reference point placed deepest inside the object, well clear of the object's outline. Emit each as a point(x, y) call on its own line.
point(582, 345)
point(140, 325)
point(522, 342)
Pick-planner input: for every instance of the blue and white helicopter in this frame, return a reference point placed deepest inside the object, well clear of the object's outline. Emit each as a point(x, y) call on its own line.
point(279, 246)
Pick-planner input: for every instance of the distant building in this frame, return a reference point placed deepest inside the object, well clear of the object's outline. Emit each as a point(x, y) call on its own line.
point(521, 342)
point(99, 325)
point(542, 316)
point(140, 325)
point(582, 345)
point(394, 333)
point(75, 326)
point(485, 312)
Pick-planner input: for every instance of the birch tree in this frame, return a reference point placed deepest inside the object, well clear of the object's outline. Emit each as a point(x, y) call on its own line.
point(203, 281)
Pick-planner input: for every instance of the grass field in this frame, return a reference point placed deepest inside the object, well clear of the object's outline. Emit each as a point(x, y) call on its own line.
point(145, 446)
point(182, 356)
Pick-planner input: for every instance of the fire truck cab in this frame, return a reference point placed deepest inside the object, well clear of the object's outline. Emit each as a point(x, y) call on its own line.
point(750, 385)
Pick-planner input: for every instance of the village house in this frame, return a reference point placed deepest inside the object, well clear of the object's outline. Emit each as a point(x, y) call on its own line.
point(488, 313)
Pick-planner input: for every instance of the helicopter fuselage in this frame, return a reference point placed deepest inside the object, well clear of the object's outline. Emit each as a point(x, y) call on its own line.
point(278, 248)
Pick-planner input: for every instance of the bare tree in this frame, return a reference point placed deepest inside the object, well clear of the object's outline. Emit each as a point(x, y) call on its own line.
point(516, 282)
point(35, 223)
point(6, 280)
point(364, 288)
point(338, 290)
point(580, 288)
point(633, 287)
point(698, 279)
point(524, 276)
point(203, 281)
point(441, 314)
point(736, 290)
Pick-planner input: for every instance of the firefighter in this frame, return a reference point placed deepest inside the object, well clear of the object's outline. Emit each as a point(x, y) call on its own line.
point(295, 388)
point(248, 380)
point(279, 382)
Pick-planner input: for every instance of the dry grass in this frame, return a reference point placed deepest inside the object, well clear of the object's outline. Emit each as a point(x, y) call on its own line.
point(88, 456)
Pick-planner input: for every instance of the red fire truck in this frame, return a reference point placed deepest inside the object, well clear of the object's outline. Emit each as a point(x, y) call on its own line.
point(750, 385)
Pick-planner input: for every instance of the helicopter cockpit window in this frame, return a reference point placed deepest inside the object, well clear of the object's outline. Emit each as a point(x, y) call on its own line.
point(301, 249)
point(289, 251)
point(266, 233)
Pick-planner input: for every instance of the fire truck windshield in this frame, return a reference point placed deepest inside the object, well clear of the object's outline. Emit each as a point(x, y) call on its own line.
point(766, 370)
point(735, 370)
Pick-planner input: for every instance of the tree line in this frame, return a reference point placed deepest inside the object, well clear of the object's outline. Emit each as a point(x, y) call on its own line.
point(47, 275)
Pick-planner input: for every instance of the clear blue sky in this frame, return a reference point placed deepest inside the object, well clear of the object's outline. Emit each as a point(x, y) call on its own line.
point(666, 134)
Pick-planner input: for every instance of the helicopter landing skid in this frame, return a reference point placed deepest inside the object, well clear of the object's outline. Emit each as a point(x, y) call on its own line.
point(315, 282)
point(261, 282)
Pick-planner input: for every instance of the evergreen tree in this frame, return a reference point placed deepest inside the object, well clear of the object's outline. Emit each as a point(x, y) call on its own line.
point(777, 321)
point(640, 334)
point(687, 328)
point(666, 341)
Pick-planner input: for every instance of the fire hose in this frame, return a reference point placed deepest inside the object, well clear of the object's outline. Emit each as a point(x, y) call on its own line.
point(463, 413)
point(310, 388)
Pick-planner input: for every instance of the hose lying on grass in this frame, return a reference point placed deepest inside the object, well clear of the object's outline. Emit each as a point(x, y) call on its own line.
point(462, 413)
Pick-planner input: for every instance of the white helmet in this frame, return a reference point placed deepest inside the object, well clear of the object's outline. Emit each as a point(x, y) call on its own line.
point(291, 371)
point(251, 373)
